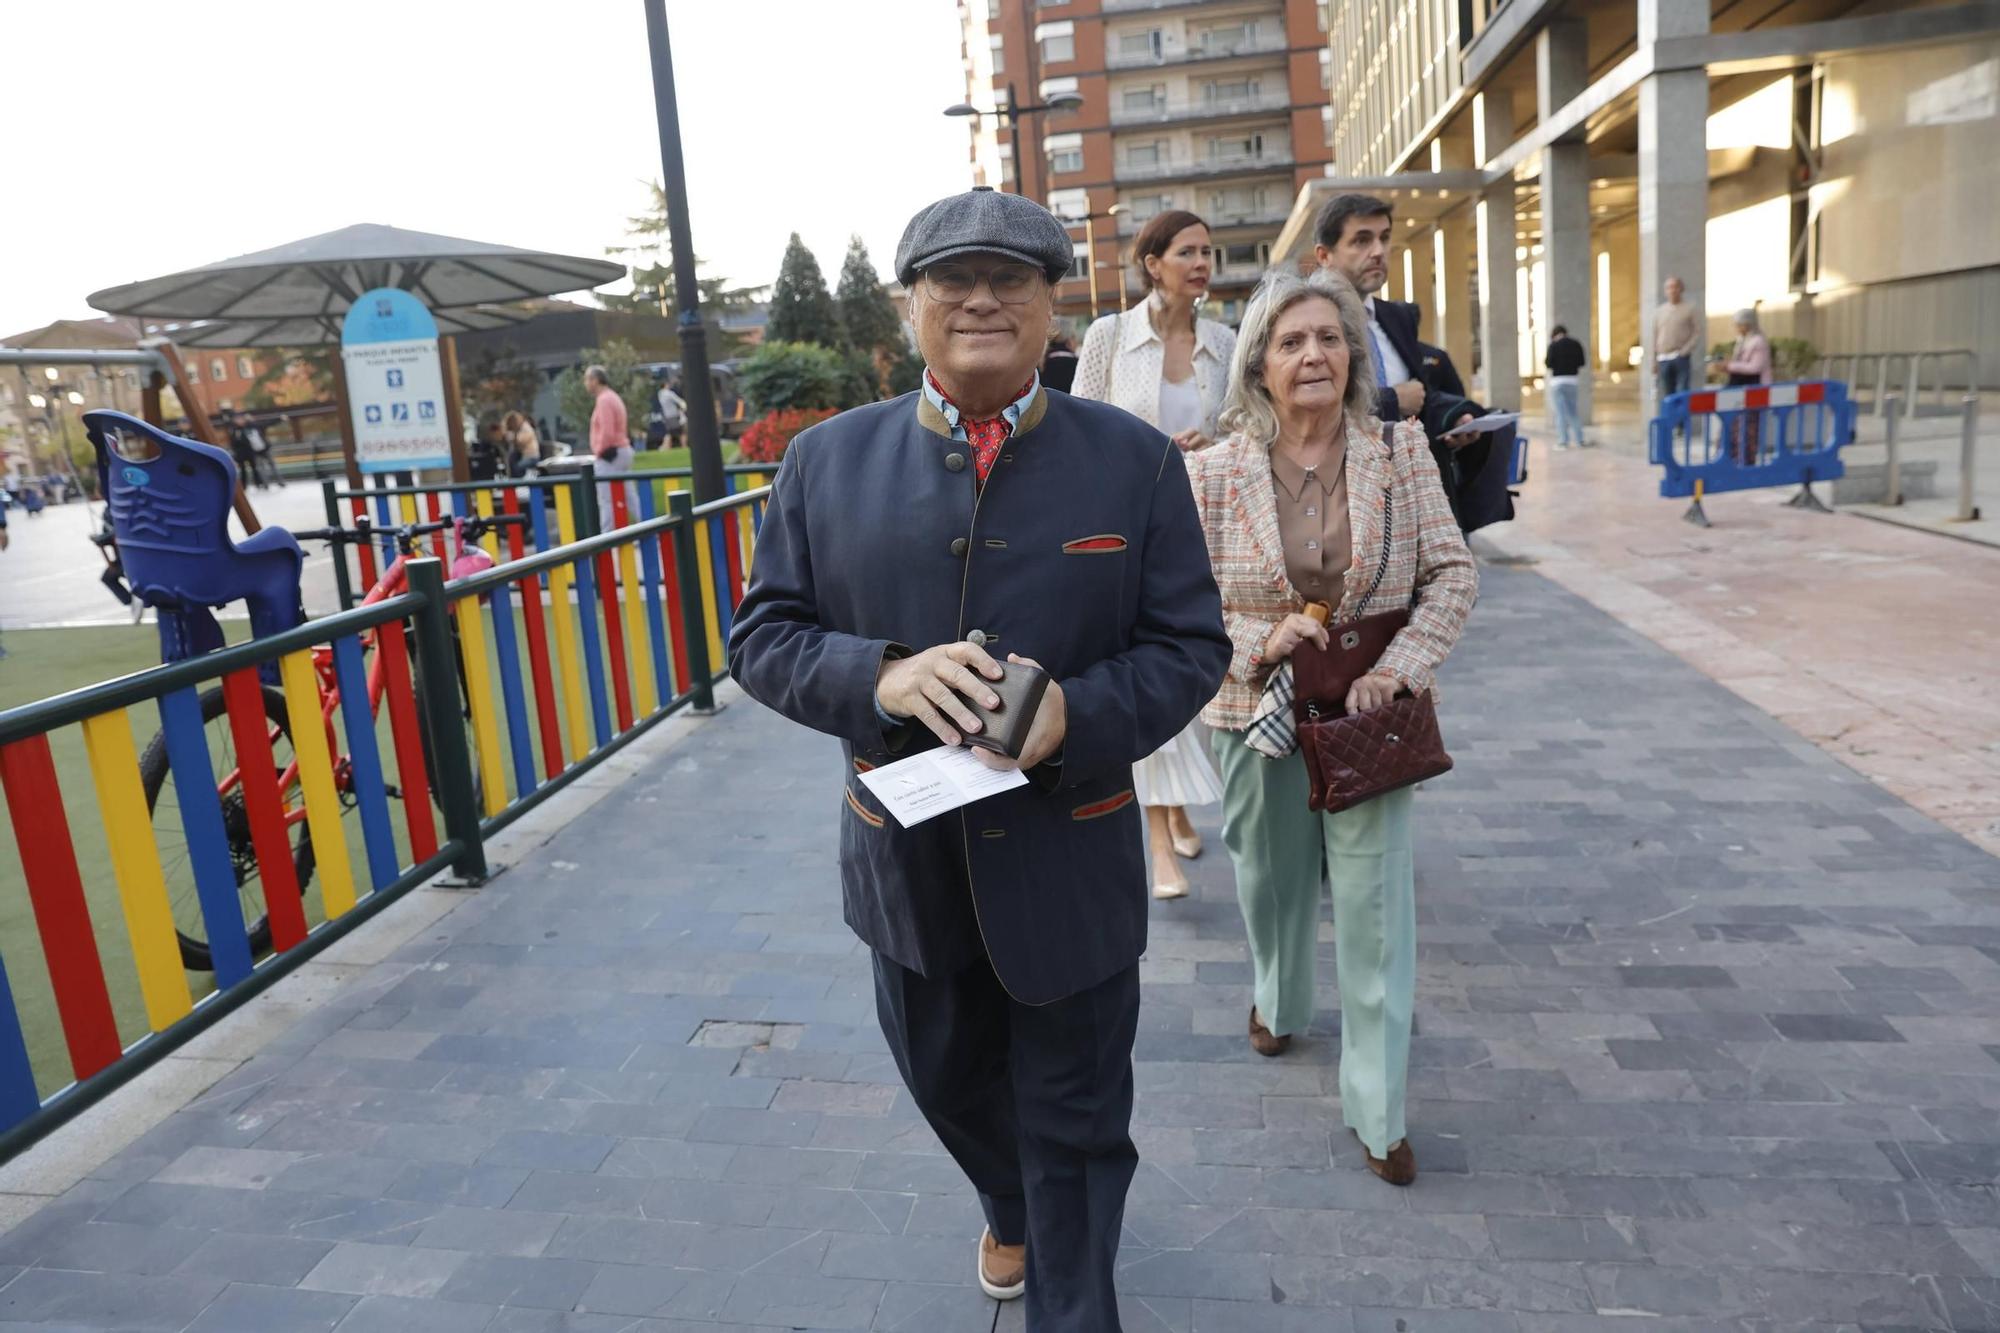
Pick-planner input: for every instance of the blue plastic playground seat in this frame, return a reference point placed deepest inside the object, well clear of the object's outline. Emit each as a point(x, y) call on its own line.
point(169, 502)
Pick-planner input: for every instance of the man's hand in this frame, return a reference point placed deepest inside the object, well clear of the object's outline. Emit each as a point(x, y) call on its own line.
point(921, 687)
point(1461, 438)
point(1410, 398)
point(1045, 737)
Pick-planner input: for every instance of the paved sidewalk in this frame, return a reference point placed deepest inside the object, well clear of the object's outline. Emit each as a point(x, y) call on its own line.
point(1709, 1031)
point(1877, 642)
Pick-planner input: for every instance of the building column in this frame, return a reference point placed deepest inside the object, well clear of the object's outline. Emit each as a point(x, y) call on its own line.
point(1673, 174)
point(1499, 310)
point(1449, 304)
point(1562, 70)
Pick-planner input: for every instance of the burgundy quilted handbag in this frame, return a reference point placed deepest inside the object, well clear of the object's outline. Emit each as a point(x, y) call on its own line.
point(1355, 757)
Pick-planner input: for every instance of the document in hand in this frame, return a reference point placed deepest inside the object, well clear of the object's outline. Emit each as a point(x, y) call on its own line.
point(1480, 425)
point(935, 782)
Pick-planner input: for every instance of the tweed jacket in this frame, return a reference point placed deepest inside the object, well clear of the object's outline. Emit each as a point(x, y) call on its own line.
point(1429, 569)
point(1123, 358)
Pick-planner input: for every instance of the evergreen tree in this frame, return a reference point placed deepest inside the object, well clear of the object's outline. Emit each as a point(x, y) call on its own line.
point(653, 290)
point(866, 312)
point(802, 310)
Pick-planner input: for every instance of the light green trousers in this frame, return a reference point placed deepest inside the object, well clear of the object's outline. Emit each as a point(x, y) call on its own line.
point(1277, 844)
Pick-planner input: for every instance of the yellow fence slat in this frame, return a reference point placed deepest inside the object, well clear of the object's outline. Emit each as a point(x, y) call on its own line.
point(135, 863)
point(637, 636)
point(308, 727)
point(482, 505)
point(479, 691)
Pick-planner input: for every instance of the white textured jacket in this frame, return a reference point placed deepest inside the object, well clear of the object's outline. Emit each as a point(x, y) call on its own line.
point(1123, 359)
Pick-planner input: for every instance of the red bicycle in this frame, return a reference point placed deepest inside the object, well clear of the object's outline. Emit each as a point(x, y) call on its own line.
point(412, 748)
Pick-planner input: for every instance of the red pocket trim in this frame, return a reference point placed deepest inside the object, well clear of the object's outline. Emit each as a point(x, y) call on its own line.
point(871, 820)
point(1102, 544)
point(1099, 809)
point(863, 766)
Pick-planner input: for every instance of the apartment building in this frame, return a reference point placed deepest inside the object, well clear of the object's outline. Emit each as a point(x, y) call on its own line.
point(1828, 162)
point(1220, 107)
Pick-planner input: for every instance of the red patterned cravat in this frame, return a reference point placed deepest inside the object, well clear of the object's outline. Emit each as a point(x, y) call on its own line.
point(986, 436)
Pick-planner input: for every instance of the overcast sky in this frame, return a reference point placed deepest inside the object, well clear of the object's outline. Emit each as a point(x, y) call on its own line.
point(152, 137)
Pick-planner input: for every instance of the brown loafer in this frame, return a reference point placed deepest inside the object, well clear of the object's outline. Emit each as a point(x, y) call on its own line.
point(1003, 1269)
point(1399, 1168)
point(1261, 1040)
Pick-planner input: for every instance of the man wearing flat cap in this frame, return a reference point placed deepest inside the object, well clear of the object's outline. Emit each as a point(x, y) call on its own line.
point(909, 546)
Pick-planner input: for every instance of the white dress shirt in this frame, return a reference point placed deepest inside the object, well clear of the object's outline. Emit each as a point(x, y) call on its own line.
point(1394, 372)
point(1123, 362)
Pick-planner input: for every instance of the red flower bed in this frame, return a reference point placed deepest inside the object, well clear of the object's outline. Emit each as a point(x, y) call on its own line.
point(766, 438)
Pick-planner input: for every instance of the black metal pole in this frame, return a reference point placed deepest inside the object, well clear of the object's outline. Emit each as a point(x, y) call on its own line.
point(1014, 125)
point(704, 434)
point(437, 696)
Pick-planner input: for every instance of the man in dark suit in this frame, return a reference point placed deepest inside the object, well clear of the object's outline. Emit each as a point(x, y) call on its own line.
point(906, 545)
point(1353, 237)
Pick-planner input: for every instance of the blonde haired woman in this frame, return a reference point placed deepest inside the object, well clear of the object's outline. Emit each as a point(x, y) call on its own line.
point(1310, 499)
point(1170, 368)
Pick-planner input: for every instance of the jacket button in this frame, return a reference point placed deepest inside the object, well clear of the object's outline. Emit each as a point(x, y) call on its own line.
point(954, 462)
point(977, 638)
point(958, 545)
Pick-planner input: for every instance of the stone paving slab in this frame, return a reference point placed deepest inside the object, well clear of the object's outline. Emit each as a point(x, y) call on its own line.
point(1709, 1037)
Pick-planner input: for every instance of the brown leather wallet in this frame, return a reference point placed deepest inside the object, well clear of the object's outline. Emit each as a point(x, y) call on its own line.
point(1004, 730)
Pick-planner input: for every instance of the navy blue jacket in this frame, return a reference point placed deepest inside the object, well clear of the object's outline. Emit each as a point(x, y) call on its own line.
point(1083, 553)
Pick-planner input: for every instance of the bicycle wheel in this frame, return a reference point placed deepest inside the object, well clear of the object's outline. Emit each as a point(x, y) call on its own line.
point(171, 838)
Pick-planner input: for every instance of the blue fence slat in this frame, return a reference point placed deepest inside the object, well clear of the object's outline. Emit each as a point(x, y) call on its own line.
point(364, 760)
point(513, 694)
point(461, 504)
point(382, 520)
point(718, 546)
point(593, 653)
point(538, 522)
point(18, 1098)
point(656, 618)
point(207, 840)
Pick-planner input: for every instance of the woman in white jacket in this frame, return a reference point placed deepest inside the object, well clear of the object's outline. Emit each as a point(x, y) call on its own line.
point(1166, 366)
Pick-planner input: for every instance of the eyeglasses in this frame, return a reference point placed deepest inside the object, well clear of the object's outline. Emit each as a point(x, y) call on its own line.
point(1014, 284)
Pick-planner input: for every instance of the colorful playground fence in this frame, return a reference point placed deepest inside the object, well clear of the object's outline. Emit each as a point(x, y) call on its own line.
point(500, 690)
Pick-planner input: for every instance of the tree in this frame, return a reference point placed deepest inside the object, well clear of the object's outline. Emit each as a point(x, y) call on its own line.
point(621, 361)
point(497, 381)
point(802, 310)
point(866, 314)
point(293, 377)
point(653, 290)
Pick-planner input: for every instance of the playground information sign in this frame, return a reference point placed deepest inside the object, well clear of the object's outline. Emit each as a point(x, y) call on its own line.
point(395, 390)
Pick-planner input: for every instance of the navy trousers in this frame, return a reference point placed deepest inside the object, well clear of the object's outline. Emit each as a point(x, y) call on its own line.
point(1034, 1102)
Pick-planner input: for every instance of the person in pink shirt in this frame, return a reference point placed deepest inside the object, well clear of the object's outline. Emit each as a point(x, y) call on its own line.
point(610, 438)
point(1749, 362)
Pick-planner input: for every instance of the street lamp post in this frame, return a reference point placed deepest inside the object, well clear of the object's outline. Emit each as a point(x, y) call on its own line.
point(704, 433)
point(1012, 113)
point(1089, 221)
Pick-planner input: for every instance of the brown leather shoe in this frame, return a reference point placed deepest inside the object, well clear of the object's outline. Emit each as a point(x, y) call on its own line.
point(1399, 1168)
point(1261, 1040)
point(1003, 1269)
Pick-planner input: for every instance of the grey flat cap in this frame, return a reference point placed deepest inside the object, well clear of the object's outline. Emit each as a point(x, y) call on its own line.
point(984, 221)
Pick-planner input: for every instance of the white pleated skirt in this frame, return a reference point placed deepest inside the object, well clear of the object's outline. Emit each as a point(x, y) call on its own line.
point(1178, 773)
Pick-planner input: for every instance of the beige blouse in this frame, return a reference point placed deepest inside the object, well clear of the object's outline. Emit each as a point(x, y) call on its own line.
point(1313, 524)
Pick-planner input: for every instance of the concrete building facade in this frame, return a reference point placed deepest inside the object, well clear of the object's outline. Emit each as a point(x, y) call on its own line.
point(1827, 162)
point(1215, 106)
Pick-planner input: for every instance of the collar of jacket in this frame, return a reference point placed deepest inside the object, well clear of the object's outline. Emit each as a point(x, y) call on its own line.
point(935, 421)
point(1136, 329)
point(1368, 477)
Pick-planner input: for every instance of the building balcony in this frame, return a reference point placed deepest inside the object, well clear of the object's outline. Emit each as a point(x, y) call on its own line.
point(1181, 168)
point(1128, 225)
point(1151, 6)
point(1266, 43)
point(1202, 108)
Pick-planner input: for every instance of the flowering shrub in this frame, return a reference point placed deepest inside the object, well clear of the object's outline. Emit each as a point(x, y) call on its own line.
point(767, 437)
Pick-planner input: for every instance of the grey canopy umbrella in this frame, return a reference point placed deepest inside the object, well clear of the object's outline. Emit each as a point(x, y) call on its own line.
point(295, 295)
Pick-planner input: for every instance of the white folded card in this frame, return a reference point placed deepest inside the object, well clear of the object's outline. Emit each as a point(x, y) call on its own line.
point(1480, 425)
point(935, 782)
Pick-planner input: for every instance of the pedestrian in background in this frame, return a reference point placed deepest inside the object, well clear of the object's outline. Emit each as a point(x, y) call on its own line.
point(1309, 482)
point(1749, 362)
point(908, 544)
point(673, 412)
point(1677, 335)
point(1565, 362)
point(1170, 368)
point(1059, 364)
point(610, 436)
point(524, 447)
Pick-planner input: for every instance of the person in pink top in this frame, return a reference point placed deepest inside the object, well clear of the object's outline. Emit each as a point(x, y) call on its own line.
point(1749, 362)
point(610, 438)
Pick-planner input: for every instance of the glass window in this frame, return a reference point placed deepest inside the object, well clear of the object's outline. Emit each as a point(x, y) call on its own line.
point(1236, 147)
point(1069, 203)
point(1325, 14)
point(1141, 45)
point(1229, 90)
point(1079, 265)
point(993, 13)
point(1056, 49)
point(1143, 154)
point(1228, 38)
point(1326, 67)
point(1326, 124)
point(1146, 206)
point(245, 368)
point(218, 369)
point(1069, 159)
point(999, 53)
point(193, 369)
point(1145, 99)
